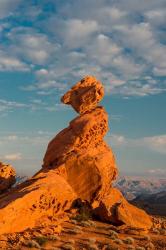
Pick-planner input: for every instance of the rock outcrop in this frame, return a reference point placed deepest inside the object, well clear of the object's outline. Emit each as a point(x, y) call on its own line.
point(78, 165)
point(80, 155)
point(7, 177)
point(34, 201)
point(114, 208)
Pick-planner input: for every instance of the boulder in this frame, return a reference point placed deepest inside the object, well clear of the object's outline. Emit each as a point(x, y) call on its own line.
point(114, 208)
point(84, 95)
point(44, 196)
point(7, 177)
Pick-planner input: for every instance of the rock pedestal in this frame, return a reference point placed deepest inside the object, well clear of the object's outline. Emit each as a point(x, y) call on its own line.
point(80, 155)
point(78, 164)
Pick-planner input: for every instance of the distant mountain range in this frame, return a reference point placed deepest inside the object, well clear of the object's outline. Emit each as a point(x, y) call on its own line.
point(20, 179)
point(154, 203)
point(147, 193)
point(133, 187)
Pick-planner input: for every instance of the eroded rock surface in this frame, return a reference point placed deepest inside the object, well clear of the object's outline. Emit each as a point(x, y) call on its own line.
point(45, 195)
point(78, 164)
point(84, 95)
point(7, 177)
point(81, 156)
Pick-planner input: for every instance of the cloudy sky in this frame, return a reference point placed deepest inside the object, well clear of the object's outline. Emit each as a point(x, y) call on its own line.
point(48, 45)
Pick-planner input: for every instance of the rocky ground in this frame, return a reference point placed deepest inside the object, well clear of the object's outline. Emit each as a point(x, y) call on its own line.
point(89, 234)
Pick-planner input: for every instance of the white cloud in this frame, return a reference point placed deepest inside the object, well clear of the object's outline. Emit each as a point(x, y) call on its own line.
point(33, 46)
point(141, 39)
point(73, 32)
point(118, 42)
point(159, 71)
point(11, 63)
point(24, 151)
point(7, 106)
point(103, 50)
point(156, 17)
point(7, 6)
point(157, 171)
point(78, 31)
point(13, 157)
point(12, 137)
point(10, 105)
point(117, 140)
point(155, 143)
point(136, 88)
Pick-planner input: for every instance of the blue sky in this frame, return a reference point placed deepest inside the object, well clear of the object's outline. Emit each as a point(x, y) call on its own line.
point(47, 46)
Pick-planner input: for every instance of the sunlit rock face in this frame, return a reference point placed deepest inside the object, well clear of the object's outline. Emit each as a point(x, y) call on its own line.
point(79, 152)
point(43, 196)
point(80, 155)
point(7, 177)
point(114, 208)
point(84, 95)
point(78, 165)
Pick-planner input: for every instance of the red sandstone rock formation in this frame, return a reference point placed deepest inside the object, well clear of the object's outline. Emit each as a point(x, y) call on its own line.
point(7, 176)
point(28, 205)
point(79, 154)
point(114, 208)
point(78, 164)
point(84, 95)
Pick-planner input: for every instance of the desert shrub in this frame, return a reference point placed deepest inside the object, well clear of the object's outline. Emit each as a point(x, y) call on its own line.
point(113, 237)
point(71, 241)
point(92, 247)
point(92, 223)
point(162, 231)
point(54, 237)
point(92, 240)
point(150, 246)
point(73, 231)
point(84, 215)
point(155, 230)
point(78, 227)
point(41, 240)
point(85, 223)
point(139, 248)
point(73, 221)
point(146, 237)
point(130, 248)
point(109, 247)
point(113, 233)
point(31, 244)
point(118, 241)
point(68, 247)
point(129, 240)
